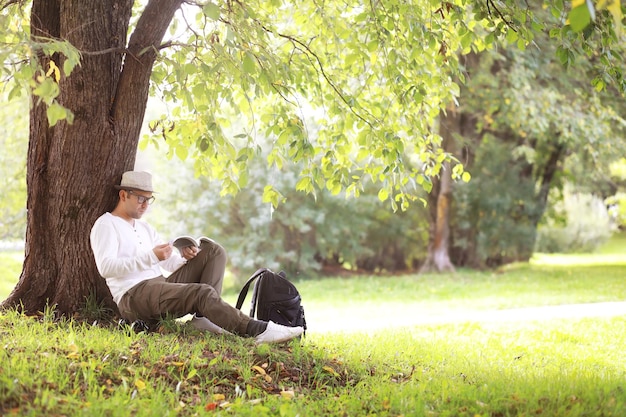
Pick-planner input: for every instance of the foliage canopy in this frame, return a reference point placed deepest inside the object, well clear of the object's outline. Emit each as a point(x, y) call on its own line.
point(350, 90)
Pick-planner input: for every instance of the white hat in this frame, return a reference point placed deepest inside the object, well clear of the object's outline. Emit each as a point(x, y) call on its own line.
point(136, 180)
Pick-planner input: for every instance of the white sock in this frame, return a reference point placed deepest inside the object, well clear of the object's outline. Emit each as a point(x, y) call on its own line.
point(204, 324)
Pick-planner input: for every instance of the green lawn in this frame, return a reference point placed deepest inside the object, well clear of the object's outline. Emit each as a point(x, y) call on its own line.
point(377, 346)
point(10, 268)
point(341, 303)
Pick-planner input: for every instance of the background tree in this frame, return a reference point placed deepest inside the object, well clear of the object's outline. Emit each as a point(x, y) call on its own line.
point(440, 201)
point(537, 125)
point(306, 236)
point(496, 216)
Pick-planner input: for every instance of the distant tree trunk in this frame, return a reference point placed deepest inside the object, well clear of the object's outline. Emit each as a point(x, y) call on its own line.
point(439, 200)
point(454, 124)
point(543, 177)
point(72, 168)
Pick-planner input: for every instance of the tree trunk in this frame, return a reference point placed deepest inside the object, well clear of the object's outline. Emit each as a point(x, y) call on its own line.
point(543, 178)
point(72, 168)
point(439, 199)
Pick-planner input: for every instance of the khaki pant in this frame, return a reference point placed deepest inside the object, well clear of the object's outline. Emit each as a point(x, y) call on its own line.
point(195, 288)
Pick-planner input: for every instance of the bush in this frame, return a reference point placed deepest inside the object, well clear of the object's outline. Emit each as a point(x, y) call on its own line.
point(494, 214)
point(305, 235)
point(581, 224)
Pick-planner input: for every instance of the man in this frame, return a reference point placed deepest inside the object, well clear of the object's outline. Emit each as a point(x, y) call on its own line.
point(130, 255)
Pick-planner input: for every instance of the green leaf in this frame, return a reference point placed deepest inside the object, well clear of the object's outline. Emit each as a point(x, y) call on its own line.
point(249, 66)
point(203, 144)
point(580, 17)
point(467, 39)
point(211, 10)
point(305, 184)
point(270, 195)
point(16, 91)
point(383, 194)
point(563, 55)
point(68, 66)
point(55, 112)
point(243, 179)
point(598, 84)
point(182, 152)
point(351, 58)
point(48, 90)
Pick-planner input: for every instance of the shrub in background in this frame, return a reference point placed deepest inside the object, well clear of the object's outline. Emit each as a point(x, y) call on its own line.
point(305, 235)
point(493, 214)
point(581, 224)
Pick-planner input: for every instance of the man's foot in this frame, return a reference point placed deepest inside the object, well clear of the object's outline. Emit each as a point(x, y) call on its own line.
point(276, 333)
point(204, 324)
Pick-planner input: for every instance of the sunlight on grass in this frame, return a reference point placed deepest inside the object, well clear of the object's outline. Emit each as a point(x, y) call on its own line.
point(506, 342)
point(615, 245)
point(375, 303)
point(612, 253)
point(545, 259)
point(557, 368)
point(10, 268)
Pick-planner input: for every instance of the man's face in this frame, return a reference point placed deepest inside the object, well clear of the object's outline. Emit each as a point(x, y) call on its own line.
point(136, 203)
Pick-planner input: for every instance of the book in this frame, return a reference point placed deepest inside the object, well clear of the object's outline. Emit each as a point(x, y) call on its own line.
point(185, 241)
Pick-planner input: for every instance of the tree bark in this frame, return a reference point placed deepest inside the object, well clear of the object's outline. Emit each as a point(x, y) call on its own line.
point(452, 123)
point(439, 200)
point(71, 168)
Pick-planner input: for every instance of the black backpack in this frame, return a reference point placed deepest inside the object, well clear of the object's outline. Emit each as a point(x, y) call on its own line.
point(273, 298)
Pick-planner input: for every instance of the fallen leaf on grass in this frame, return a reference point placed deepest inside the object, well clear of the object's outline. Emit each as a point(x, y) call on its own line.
point(73, 354)
point(287, 394)
point(260, 370)
point(331, 371)
point(386, 404)
point(140, 384)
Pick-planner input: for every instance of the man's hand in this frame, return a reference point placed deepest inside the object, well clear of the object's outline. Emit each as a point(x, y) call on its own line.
point(189, 252)
point(163, 251)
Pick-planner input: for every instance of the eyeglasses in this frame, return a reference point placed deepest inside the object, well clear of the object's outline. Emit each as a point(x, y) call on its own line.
point(142, 199)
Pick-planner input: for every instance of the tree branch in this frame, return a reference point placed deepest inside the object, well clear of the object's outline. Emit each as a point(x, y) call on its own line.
point(103, 51)
point(6, 3)
point(309, 53)
point(500, 15)
point(143, 47)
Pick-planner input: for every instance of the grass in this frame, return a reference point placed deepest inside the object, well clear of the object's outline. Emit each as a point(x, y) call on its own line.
point(10, 268)
point(402, 345)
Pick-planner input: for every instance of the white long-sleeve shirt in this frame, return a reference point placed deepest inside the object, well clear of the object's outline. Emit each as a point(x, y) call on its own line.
point(124, 254)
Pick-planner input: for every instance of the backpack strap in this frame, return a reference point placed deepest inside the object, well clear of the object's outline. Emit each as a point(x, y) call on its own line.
point(244, 291)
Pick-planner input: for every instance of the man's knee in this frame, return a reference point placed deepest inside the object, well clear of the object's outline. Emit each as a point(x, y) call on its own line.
point(213, 248)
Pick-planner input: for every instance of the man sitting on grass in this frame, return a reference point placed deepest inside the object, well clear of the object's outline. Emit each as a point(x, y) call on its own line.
point(129, 255)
